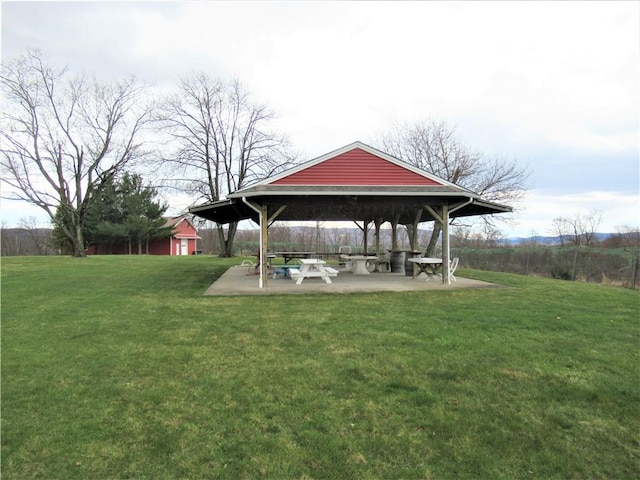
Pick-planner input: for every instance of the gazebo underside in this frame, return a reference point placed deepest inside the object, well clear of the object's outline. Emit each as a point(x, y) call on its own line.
point(401, 209)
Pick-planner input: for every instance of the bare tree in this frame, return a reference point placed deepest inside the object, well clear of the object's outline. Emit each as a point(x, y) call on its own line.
point(280, 234)
point(63, 137)
point(433, 147)
point(223, 142)
point(578, 230)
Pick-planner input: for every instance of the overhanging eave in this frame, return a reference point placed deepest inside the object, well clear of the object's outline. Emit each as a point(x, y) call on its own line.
point(224, 211)
point(346, 208)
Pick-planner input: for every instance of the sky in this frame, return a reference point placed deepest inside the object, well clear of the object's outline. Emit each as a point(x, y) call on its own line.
point(554, 86)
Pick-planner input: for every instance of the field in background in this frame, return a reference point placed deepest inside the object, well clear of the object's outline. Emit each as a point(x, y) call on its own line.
point(118, 367)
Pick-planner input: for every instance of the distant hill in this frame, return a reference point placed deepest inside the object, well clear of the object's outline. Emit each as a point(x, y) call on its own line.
point(546, 240)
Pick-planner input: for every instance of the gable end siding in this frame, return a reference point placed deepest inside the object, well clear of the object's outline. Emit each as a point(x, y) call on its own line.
point(355, 167)
point(185, 228)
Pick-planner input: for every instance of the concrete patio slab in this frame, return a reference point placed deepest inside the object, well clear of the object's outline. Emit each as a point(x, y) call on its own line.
point(238, 281)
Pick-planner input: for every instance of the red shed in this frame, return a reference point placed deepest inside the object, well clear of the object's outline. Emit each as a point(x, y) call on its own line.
point(182, 241)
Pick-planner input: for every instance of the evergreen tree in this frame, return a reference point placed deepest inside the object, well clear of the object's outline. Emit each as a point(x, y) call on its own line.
point(125, 211)
point(104, 219)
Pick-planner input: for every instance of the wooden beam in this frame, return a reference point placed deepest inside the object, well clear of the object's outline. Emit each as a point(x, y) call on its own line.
point(433, 213)
point(273, 217)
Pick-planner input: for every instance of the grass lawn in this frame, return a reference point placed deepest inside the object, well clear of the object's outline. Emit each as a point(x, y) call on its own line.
point(118, 367)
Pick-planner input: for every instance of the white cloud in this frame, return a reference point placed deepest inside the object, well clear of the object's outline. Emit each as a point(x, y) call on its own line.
point(553, 82)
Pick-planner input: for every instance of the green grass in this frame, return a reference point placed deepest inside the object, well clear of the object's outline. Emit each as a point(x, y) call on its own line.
point(118, 367)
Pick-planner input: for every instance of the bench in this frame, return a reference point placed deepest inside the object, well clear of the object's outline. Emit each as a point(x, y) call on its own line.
point(332, 271)
point(294, 272)
point(284, 270)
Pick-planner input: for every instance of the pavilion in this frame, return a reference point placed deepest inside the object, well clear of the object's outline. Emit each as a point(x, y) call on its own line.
point(355, 183)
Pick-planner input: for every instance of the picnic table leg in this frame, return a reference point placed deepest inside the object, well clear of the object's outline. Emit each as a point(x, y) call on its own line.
point(433, 272)
point(428, 272)
point(303, 270)
point(422, 269)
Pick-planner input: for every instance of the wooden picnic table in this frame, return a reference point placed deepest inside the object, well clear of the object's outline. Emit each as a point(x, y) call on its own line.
point(430, 266)
point(291, 255)
point(312, 267)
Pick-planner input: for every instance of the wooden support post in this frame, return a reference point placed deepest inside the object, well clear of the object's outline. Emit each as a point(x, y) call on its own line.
point(414, 233)
point(365, 233)
point(365, 230)
point(394, 233)
point(445, 245)
point(443, 219)
point(264, 241)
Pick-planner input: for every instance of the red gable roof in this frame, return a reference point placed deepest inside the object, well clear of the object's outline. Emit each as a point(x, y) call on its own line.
point(356, 167)
point(355, 182)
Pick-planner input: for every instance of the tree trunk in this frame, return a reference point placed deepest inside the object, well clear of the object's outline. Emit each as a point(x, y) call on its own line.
point(365, 237)
point(77, 243)
point(412, 231)
point(433, 241)
point(394, 234)
point(377, 224)
point(226, 243)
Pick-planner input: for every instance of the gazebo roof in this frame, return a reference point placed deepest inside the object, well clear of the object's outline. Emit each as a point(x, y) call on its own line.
point(356, 182)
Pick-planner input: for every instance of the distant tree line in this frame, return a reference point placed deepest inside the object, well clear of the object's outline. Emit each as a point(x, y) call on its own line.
point(610, 261)
point(28, 238)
